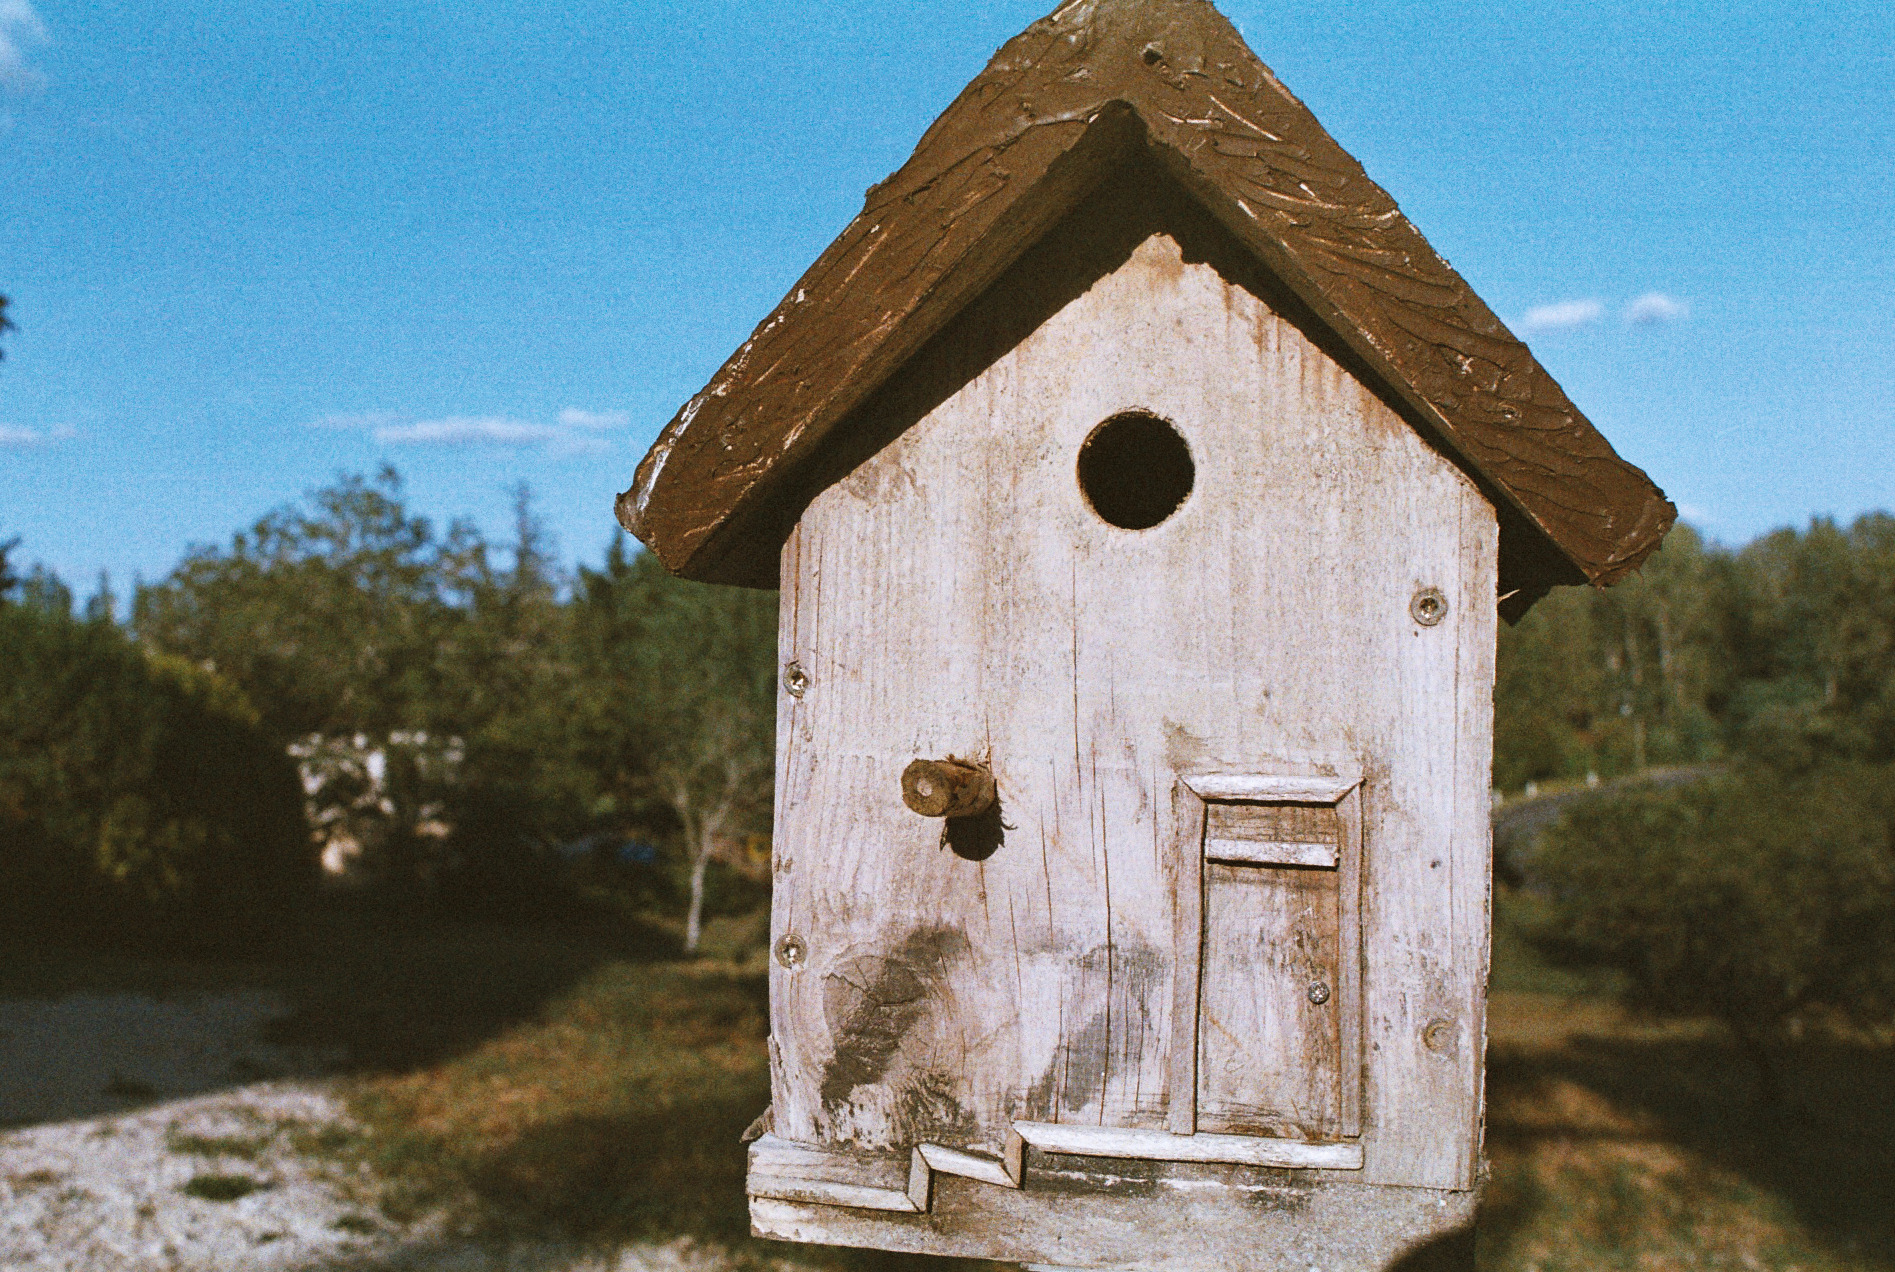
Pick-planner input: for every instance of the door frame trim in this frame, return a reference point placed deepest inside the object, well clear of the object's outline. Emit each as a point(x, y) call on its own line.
point(1189, 795)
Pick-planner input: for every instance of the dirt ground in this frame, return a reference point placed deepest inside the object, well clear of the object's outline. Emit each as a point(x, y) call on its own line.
point(473, 1100)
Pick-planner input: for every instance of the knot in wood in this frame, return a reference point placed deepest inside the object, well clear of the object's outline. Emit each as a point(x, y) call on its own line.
point(947, 788)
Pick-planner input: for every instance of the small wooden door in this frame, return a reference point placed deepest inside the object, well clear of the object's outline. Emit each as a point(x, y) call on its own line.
point(1277, 1036)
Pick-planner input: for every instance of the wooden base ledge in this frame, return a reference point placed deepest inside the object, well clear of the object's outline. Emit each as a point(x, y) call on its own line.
point(1119, 1222)
point(788, 1171)
point(1090, 1203)
point(1162, 1146)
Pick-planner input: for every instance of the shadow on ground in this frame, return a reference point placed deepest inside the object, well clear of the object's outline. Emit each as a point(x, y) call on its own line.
point(1651, 1138)
point(86, 1031)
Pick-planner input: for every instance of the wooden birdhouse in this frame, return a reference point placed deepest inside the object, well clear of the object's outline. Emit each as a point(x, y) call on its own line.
point(1143, 493)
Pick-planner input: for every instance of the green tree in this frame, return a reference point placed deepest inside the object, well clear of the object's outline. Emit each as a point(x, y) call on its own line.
point(510, 689)
point(8, 579)
point(1613, 681)
point(332, 616)
point(137, 792)
point(1755, 897)
point(680, 684)
point(328, 614)
point(1812, 644)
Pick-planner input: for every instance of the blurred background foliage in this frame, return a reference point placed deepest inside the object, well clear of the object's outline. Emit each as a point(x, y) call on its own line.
point(1783, 651)
point(477, 731)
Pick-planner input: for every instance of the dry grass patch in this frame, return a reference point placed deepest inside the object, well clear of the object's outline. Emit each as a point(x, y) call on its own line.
point(1621, 1144)
point(614, 1116)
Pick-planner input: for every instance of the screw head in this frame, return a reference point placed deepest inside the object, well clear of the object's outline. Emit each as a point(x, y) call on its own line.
point(791, 951)
point(1318, 993)
point(1429, 607)
point(1439, 1036)
point(795, 680)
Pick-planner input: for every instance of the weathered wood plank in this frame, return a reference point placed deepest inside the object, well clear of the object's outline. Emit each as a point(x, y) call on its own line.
point(1350, 959)
point(1187, 956)
point(1271, 787)
point(811, 1173)
point(1272, 852)
point(953, 1161)
point(1176, 1218)
point(955, 595)
point(1162, 1146)
point(1270, 1031)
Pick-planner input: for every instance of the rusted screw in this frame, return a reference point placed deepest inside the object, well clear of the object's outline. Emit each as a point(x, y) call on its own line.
point(1429, 606)
point(1318, 993)
point(795, 680)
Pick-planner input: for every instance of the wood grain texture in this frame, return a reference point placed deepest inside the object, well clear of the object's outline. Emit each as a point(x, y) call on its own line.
point(954, 595)
point(1057, 106)
point(810, 1173)
point(1183, 1217)
point(952, 1161)
point(1274, 787)
point(1281, 920)
point(1270, 1058)
point(1273, 834)
point(1184, 828)
point(1162, 1146)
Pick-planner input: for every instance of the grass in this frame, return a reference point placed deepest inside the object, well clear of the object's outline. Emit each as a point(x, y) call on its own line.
point(1614, 1142)
point(245, 1147)
point(616, 1114)
point(585, 1083)
point(221, 1187)
point(1622, 1143)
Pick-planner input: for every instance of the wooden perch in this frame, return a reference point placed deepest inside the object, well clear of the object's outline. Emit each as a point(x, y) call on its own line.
point(947, 788)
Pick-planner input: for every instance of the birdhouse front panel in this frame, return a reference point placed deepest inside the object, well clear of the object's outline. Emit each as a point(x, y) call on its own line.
point(1134, 536)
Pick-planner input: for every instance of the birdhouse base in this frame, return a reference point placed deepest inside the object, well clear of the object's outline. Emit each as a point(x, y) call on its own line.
point(1098, 1213)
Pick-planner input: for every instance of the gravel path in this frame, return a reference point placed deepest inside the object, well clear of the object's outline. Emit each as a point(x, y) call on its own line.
point(230, 1178)
point(223, 1181)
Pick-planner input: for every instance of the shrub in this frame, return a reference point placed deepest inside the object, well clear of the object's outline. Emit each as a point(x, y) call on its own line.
point(138, 795)
point(1754, 897)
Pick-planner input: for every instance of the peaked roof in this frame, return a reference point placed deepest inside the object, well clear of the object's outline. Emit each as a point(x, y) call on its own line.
point(1058, 107)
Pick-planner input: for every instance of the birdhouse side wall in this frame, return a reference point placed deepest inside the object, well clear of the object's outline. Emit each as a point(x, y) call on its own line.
point(957, 595)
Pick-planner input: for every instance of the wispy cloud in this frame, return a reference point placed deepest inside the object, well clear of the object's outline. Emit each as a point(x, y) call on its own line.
point(573, 417)
point(574, 431)
point(1562, 316)
point(13, 437)
point(20, 29)
point(457, 430)
point(1656, 307)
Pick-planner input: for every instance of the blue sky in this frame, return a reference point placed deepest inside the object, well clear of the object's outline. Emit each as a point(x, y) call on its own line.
point(252, 245)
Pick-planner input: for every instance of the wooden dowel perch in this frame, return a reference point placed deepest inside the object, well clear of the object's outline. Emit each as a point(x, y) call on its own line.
point(947, 788)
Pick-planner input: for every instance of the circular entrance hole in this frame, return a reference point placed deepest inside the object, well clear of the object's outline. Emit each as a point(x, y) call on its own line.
point(1135, 470)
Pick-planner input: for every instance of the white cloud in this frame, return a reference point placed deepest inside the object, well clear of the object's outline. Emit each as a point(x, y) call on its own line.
point(1560, 317)
point(573, 417)
point(576, 432)
point(461, 429)
point(20, 28)
point(1656, 307)
point(13, 437)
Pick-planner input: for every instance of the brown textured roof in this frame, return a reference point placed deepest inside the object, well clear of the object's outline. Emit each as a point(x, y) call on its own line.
point(1057, 108)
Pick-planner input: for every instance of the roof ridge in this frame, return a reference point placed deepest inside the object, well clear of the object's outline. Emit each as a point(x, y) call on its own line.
point(1018, 147)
